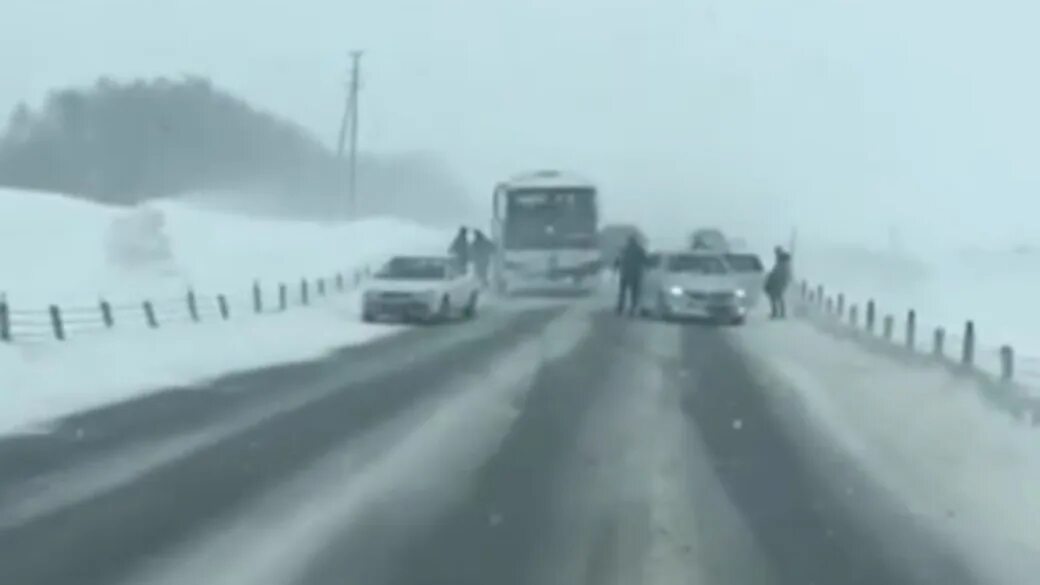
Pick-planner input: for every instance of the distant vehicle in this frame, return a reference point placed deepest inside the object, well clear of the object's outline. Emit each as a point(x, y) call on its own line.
point(737, 244)
point(545, 232)
point(709, 239)
point(692, 284)
point(749, 271)
point(423, 288)
point(612, 239)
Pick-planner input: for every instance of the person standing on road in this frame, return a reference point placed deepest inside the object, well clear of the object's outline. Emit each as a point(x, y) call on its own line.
point(776, 284)
point(630, 265)
point(460, 248)
point(482, 249)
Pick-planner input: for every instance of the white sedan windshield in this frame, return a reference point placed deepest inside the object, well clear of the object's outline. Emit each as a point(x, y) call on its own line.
point(414, 269)
point(696, 264)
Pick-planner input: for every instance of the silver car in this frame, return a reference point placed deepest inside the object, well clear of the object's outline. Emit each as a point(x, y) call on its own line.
point(691, 284)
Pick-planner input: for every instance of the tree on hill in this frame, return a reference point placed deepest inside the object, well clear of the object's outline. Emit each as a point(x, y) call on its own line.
point(124, 143)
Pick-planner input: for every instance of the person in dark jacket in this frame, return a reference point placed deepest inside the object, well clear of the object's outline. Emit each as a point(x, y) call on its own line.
point(776, 284)
point(630, 265)
point(460, 248)
point(482, 249)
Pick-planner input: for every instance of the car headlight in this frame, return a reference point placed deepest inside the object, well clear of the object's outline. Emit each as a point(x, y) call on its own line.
point(675, 291)
point(739, 293)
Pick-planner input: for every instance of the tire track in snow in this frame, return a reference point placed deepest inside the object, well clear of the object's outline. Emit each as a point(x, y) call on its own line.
point(408, 469)
point(175, 502)
point(46, 493)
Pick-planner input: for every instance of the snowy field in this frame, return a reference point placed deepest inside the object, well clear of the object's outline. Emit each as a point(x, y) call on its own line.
point(961, 467)
point(64, 251)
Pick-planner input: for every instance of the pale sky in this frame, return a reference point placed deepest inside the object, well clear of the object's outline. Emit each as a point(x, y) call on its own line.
point(842, 117)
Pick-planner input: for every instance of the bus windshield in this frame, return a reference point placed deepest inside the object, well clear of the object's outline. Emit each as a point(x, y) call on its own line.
point(550, 218)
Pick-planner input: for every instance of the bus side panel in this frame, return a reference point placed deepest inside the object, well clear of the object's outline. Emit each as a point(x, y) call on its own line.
point(498, 237)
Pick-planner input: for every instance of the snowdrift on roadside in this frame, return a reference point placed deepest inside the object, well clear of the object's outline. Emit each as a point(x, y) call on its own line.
point(43, 382)
point(965, 469)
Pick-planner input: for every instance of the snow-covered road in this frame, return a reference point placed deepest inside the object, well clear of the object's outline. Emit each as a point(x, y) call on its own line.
point(547, 442)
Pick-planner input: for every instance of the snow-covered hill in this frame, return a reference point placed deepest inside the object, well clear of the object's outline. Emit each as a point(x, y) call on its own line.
point(55, 249)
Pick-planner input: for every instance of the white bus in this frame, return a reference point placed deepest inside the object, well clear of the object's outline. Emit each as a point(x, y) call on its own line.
point(545, 228)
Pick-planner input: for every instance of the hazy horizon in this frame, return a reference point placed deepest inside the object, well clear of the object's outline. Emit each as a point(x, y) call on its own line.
point(841, 119)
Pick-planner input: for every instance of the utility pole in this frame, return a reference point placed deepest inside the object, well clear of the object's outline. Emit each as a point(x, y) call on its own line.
point(350, 124)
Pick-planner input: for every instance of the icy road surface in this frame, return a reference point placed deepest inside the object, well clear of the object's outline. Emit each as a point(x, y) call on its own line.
point(546, 443)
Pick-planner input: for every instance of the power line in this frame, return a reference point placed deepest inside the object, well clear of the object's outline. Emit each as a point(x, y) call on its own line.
point(355, 79)
point(349, 129)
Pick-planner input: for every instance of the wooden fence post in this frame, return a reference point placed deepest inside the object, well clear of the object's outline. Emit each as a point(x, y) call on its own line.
point(911, 330)
point(56, 323)
point(106, 314)
point(1007, 363)
point(223, 305)
point(939, 342)
point(193, 306)
point(283, 297)
point(888, 325)
point(321, 287)
point(304, 296)
point(871, 315)
point(854, 316)
point(819, 294)
point(149, 314)
point(258, 298)
point(968, 351)
point(829, 305)
point(5, 321)
point(805, 290)
point(339, 281)
point(841, 305)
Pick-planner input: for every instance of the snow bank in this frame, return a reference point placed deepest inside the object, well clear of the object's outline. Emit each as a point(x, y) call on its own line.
point(42, 382)
point(960, 466)
point(56, 249)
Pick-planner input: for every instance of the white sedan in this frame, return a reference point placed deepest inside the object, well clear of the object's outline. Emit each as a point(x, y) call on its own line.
point(692, 284)
point(423, 288)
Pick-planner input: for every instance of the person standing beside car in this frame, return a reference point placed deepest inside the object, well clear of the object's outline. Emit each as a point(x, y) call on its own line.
point(776, 284)
point(482, 249)
point(630, 264)
point(460, 249)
